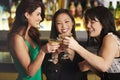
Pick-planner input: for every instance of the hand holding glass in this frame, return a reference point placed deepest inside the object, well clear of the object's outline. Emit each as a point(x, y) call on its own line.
point(61, 37)
point(54, 42)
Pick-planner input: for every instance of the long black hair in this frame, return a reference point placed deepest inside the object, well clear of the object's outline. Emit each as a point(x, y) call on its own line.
point(54, 32)
point(106, 19)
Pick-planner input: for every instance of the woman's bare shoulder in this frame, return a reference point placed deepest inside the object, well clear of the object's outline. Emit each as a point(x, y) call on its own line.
point(15, 39)
point(109, 42)
point(109, 38)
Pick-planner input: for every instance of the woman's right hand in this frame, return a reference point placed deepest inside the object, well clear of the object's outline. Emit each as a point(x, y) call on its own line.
point(71, 43)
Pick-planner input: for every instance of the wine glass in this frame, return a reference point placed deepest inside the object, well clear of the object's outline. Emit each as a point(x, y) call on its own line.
point(54, 42)
point(61, 37)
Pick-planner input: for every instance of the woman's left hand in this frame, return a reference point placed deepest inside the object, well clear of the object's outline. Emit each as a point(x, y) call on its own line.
point(84, 66)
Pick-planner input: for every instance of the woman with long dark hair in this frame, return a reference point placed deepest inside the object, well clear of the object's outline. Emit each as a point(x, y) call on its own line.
point(24, 40)
point(101, 26)
point(64, 67)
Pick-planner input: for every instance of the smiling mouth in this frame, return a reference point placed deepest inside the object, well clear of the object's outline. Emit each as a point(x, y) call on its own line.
point(90, 30)
point(64, 30)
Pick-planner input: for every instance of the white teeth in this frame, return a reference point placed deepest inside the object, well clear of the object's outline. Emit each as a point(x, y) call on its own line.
point(65, 30)
point(90, 30)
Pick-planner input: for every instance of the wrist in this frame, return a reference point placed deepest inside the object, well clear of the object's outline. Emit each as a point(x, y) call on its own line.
point(43, 50)
point(77, 48)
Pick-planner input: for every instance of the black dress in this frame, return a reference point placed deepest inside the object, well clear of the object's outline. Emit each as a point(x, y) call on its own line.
point(110, 76)
point(113, 72)
point(65, 69)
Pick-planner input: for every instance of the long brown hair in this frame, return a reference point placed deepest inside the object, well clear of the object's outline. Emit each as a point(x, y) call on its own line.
point(21, 21)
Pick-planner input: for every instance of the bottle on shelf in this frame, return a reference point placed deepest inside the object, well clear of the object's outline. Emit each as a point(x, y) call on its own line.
point(12, 14)
point(79, 10)
point(79, 18)
point(111, 8)
point(117, 16)
point(4, 18)
point(13, 10)
point(72, 8)
point(95, 3)
point(1, 12)
point(49, 9)
point(88, 5)
point(5, 22)
point(55, 6)
point(117, 10)
point(18, 2)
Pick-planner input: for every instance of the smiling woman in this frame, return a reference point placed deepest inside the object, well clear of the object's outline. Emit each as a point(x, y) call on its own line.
point(94, 27)
point(64, 64)
point(24, 43)
point(34, 18)
point(101, 26)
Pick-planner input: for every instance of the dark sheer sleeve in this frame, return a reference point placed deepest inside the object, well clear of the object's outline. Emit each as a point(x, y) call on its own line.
point(77, 58)
point(45, 63)
point(79, 75)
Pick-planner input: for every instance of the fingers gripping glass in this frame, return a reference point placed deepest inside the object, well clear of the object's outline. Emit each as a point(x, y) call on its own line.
point(59, 41)
point(66, 55)
point(53, 42)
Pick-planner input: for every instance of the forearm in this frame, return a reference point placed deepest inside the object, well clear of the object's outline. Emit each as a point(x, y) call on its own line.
point(34, 66)
point(94, 60)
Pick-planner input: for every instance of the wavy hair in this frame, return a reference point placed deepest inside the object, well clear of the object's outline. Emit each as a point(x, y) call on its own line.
point(20, 20)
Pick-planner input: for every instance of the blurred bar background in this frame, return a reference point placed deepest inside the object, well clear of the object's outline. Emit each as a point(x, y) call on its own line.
point(7, 16)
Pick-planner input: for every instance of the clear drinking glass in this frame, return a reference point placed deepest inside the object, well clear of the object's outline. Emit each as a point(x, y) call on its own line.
point(61, 37)
point(54, 42)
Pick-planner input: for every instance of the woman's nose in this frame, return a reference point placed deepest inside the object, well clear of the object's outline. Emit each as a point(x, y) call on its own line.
point(63, 25)
point(88, 25)
point(40, 18)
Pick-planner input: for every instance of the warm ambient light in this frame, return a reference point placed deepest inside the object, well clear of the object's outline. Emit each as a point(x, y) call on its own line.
point(80, 26)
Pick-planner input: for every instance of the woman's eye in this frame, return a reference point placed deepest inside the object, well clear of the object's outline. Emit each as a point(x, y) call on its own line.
point(58, 23)
point(38, 14)
point(93, 22)
point(66, 21)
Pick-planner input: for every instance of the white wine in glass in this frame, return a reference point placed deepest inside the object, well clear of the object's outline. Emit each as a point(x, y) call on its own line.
point(61, 37)
point(54, 42)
